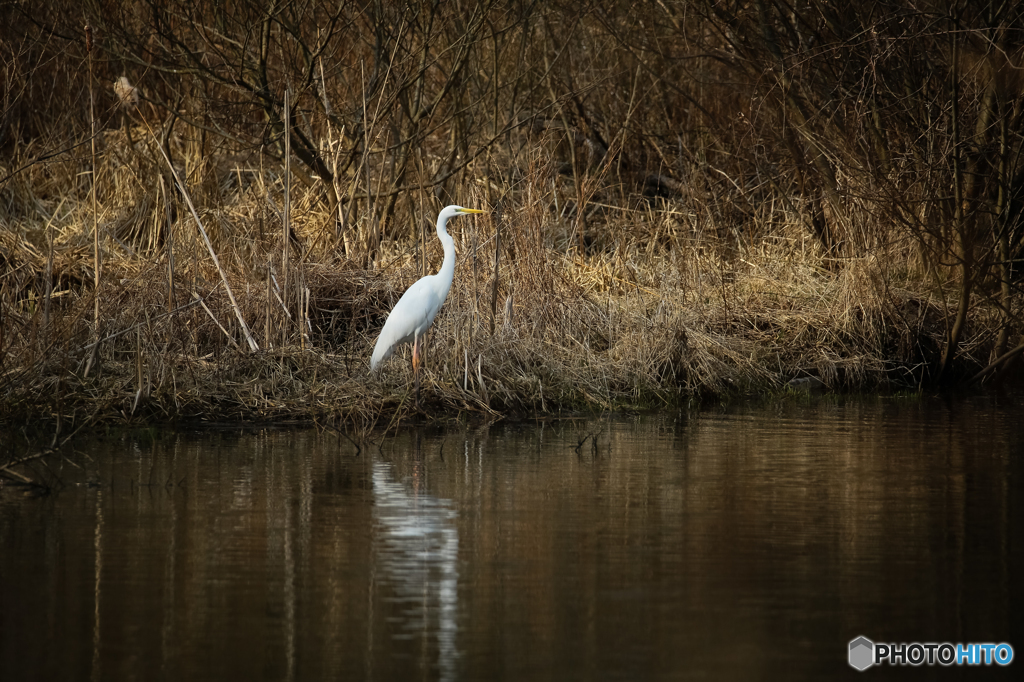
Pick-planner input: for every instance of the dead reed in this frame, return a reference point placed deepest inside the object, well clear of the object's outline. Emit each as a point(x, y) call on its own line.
point(670, 313)
point(225, 241)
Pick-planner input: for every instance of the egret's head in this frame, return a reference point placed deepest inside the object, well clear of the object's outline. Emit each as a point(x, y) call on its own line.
point(452, 211)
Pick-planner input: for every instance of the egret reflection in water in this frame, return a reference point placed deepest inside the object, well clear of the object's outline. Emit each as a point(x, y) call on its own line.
point(416, 550)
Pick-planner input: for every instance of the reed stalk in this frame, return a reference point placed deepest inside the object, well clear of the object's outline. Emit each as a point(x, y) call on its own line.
point(168, 242)
point(286, 220)
point(253, 347)
point(498, 217)
point(97, 264)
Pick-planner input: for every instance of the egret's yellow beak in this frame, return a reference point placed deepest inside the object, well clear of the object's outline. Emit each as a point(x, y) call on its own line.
point(470, 210)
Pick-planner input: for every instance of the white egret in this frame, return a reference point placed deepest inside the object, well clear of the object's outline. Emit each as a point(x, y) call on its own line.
point(415, 311)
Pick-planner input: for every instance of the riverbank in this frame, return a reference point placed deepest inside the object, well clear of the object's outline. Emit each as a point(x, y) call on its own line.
point(638, 327)
point(699, 213)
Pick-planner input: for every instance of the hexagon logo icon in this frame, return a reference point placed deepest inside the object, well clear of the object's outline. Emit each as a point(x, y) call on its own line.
point(862, 653)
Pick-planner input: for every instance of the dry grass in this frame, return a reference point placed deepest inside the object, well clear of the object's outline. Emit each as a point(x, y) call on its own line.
point(677, 223)
point(666, 304)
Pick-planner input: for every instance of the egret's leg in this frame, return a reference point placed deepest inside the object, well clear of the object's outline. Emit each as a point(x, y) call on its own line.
point(416, 366)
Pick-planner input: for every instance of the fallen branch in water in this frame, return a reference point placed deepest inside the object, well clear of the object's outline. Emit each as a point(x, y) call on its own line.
point(1003, 361)
point(8, 471)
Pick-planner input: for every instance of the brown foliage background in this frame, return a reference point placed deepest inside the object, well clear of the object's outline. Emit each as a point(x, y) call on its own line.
point(690, 197)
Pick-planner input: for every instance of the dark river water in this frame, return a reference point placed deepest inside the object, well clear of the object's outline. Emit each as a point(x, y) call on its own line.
point(743, 544)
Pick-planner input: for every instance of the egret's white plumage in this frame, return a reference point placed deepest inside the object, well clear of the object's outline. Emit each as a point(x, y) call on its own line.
point(415, 311)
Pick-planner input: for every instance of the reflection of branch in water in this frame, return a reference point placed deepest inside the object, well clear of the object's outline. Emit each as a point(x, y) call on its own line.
point(593, 444)
point(416, 551)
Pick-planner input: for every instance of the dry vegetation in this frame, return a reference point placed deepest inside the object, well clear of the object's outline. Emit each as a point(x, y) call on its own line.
point(689, 199)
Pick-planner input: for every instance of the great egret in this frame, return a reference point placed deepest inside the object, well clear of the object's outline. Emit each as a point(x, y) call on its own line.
point(415, 311)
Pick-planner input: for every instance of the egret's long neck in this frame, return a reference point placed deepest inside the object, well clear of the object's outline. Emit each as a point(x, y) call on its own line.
point(447, 271)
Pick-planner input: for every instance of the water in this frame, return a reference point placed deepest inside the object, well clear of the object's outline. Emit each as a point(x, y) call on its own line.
point(739, 545)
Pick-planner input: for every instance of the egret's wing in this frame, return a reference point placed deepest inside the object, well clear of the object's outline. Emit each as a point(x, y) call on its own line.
point(413, 314)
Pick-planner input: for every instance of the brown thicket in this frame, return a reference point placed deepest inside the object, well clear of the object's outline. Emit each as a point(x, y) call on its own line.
point(689, 199)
